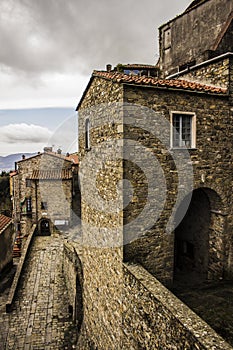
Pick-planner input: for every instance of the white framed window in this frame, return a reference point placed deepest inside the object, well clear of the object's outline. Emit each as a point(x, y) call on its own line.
point(183, 130)
point(87, 134)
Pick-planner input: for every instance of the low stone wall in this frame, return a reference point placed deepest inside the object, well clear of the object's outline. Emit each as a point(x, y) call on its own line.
point(19, 270)
point(6, 244)
point(72, 269)
point(153, 318)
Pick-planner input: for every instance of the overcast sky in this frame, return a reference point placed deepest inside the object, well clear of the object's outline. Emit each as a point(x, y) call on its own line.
point(49, 50)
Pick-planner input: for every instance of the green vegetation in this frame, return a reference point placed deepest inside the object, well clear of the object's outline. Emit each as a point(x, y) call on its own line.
point(5, 199)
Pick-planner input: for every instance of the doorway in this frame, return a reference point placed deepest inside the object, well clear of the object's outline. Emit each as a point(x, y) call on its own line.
point(45, 228)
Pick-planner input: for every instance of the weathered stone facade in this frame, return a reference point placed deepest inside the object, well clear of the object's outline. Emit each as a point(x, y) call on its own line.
point(203, 31)
point(6, 242)
point(156, 178)
point(215, 72)
point(43, 192)
point(101, 227)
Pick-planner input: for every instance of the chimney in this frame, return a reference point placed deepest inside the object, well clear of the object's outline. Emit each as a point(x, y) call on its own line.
point(23, 156)
point(108, 67)
point(59, 151)
point(48, 149)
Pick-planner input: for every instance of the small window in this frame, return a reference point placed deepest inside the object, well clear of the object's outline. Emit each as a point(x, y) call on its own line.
point(87, 134)
point(183, 130)
point(167, 38)
point(29, 205)
point(28, 183)
point(44, 205)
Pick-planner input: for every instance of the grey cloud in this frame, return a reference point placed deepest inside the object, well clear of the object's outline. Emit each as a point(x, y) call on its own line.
point(64, 36)
point(24, 133)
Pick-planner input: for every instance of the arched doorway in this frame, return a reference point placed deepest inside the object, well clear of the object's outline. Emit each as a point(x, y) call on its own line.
point(199, 239)
point(44, 228)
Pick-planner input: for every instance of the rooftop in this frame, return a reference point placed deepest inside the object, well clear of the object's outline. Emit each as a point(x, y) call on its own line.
point(69, 157)
point(53, 174)
point(174, 84)
point(4, 222)
point(155, 82)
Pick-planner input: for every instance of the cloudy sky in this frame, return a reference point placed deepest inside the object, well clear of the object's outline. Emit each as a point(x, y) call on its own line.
point(50, 48)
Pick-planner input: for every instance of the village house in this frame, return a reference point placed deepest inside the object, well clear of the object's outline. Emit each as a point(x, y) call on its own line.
point(6, 242)
point(156, 176)
point(44, 190)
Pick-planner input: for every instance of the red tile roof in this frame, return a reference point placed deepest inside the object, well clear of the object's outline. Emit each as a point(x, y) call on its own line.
point(73, 158)
point(4, 222)
point(155, 82)
point(13, 173)
point(52, 174)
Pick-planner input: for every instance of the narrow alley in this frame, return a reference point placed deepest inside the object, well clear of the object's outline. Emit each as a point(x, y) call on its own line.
point(40, 316)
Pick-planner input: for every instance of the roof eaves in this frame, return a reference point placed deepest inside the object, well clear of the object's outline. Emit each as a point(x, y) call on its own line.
point(8, 223)
point(172, 88)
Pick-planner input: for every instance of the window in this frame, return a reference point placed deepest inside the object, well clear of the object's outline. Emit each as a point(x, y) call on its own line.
point(44, 205)
point(29, 205)
point(167, 38)
point(28, 183)
point(87, 134)
point(183, 130)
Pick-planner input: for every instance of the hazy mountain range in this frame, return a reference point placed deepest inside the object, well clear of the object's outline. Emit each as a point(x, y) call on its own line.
point(7, 163)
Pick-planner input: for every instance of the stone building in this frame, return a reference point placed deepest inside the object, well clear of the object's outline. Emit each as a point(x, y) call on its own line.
point(156, 178)
point(43, 192)
point(203, 31)
point(6, 242)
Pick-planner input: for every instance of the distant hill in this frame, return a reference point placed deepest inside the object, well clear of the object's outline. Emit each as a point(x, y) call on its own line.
point(7, 163)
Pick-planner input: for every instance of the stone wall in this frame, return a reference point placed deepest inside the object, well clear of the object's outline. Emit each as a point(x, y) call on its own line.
point(210, 161)
point(153, 318)
point(100, 172)
point(216, 74)
point(73, 273)
point(131, 141)
point(55, 194)
point(6, 247)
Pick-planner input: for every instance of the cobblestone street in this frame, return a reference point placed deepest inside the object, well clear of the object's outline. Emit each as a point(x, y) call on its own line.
point(40, 317)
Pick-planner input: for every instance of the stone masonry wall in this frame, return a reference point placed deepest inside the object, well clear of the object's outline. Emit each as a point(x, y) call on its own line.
point(100, 173)
point(216, 74)
point(6, 246)
point(118, 133)
point(211, 164)
point(57, 193)
point(155, 319)
point(73, 273)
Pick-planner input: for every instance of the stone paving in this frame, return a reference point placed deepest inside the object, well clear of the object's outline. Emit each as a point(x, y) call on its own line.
point(40, 318)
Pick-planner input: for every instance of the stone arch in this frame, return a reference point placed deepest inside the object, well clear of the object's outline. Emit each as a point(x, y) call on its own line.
point(199, 238)
point(44, 227)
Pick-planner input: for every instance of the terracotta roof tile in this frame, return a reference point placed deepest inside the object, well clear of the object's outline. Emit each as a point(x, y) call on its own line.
point(151, 81)
point(73, 158)
point(52, 174)
point(4, 222)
